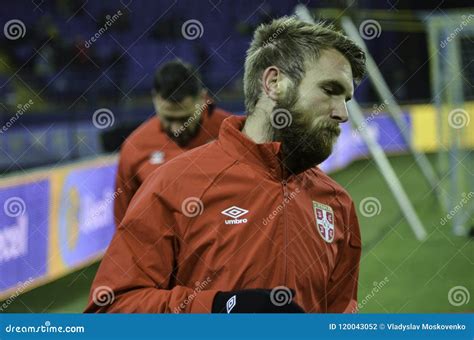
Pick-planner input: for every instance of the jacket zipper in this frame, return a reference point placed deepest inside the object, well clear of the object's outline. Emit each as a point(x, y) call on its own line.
point(285, 217)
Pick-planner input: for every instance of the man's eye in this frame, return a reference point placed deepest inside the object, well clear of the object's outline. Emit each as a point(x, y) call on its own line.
point(328, 91)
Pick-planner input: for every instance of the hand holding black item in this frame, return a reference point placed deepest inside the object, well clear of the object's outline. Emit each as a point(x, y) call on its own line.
point(277, 300)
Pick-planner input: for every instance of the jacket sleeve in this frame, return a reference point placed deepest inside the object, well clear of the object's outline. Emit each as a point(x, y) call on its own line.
point(342, 288)
point(136, 273)
point(125, 185)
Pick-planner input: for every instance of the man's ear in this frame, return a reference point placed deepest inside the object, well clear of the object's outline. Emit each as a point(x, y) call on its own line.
point(275, 83)
point(270, 79)
point(203, 96)
point(156, 100)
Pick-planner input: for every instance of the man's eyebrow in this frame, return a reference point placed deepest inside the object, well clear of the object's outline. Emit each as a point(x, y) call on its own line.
point(337, 86)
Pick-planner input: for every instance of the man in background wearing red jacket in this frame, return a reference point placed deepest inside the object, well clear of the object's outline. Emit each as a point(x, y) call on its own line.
point(186, 118)
point(248, 223)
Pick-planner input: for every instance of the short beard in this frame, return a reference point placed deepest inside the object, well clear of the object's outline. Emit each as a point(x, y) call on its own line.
point(304, 146)
point(184, 138)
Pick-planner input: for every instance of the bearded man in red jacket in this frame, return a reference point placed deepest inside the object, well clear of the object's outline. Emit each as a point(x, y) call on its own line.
point(185, 118)
point(248, 223)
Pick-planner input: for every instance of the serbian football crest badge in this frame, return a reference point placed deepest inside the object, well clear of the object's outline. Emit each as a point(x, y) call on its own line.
point(324, 221)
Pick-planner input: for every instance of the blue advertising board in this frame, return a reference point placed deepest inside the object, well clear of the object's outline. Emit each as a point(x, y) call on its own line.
point(24, 223)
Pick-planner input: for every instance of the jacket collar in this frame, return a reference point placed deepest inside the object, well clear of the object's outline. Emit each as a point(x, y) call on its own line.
point(266, 156)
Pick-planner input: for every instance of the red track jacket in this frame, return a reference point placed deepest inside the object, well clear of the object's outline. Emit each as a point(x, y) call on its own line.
point(224, 217)
point(148, 147)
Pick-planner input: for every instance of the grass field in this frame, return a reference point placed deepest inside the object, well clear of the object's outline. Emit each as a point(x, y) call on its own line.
point(417, 276)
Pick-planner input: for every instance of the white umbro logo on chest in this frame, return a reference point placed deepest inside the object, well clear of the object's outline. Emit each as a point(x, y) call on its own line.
point(235, 212)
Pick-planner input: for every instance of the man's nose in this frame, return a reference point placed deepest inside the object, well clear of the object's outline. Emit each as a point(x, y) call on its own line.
point(339, 113)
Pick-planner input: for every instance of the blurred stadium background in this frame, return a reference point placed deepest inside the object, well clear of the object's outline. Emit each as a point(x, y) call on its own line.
point(65, 63)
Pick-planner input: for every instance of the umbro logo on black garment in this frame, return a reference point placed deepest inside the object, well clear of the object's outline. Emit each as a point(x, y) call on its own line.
point(231, 303)
point(235, 212)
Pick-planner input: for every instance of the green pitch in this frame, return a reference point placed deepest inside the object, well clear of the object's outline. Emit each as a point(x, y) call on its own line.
point(398, 274)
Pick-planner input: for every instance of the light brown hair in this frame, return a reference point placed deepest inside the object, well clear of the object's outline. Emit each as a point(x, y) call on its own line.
point(287, 43)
